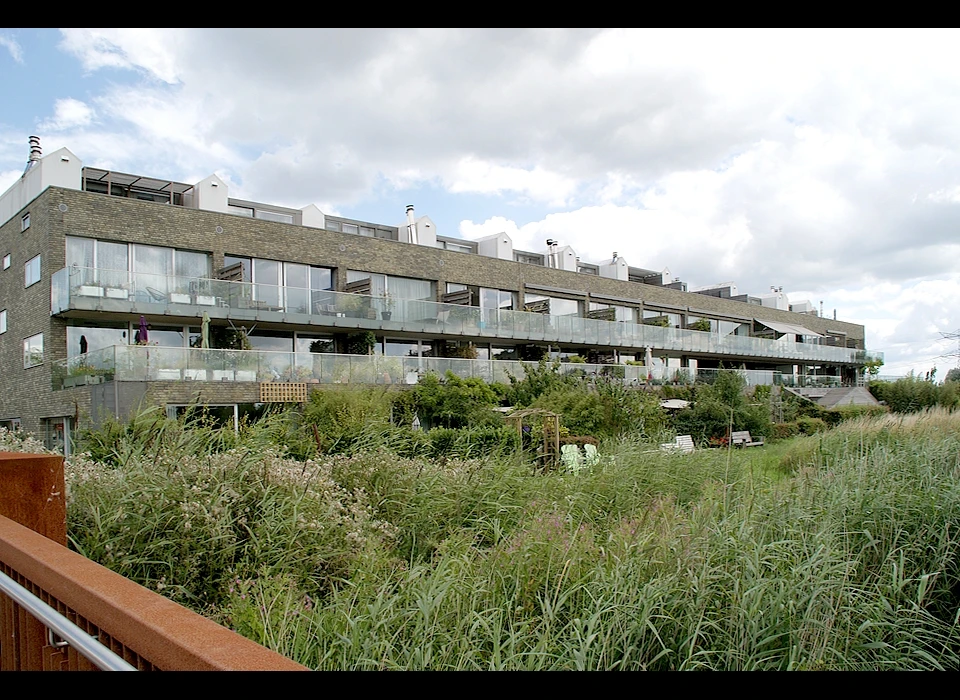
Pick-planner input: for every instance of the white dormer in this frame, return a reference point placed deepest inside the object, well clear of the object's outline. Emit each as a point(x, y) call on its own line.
point(312, 217)
point(58, 169)
point(210, 194)
point(615, 268)
point(499, 245)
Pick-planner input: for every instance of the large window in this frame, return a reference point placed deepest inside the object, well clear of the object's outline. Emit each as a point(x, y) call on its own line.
point(31, 271)
point(159, 270)
point(33, 351)
point(557, 306)
point(88, 337)
point(396, 287)
point(294, 287)
point(612, 312)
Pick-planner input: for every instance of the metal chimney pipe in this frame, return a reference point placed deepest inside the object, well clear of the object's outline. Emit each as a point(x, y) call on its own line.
point(35, 154)
point(411, 225)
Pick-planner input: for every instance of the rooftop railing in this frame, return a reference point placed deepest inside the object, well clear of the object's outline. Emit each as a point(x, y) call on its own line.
point(92, 289)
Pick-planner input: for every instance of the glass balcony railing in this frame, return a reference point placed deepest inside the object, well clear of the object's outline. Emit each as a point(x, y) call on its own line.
point(140, 363)
point(140, 293)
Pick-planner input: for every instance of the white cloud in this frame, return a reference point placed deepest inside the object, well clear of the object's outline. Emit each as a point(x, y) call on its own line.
point(151, 50)
point(68, 113)
point(11, 45)
point(473, 175)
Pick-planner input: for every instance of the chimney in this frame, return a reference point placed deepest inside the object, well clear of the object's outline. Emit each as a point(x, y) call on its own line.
point(35, 153)
point(552, 253)
point(411, 225)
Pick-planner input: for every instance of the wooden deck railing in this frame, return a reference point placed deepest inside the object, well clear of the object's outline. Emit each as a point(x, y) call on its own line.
point(146, 629)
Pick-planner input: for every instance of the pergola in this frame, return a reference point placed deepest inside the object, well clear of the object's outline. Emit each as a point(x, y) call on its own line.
point(550, 450)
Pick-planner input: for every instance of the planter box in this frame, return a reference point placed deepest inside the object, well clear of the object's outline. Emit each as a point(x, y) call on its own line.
point(198, 375)
point(86, 290)
point(117, 293)
point(168, 374)
point(203, 300)
point(245, 375)
point(222, 375)
point(176, 298)
point(82, 380)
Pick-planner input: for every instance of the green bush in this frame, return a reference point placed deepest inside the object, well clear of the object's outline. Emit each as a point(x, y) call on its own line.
point(811, 426)
point(454, 402)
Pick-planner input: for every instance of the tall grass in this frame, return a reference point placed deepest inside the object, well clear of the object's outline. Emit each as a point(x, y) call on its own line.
point(835, 551)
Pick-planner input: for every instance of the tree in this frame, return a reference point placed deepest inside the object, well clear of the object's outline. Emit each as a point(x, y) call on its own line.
point(873, 365)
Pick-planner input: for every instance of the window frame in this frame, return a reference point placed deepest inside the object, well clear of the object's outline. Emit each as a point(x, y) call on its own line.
point(27, 352)
point(26, 268)
point(24, 222)
point(3, 321)
point(7, 261)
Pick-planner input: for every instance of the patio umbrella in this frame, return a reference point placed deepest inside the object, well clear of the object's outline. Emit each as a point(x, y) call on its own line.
point(144, 336)
point(205, 331)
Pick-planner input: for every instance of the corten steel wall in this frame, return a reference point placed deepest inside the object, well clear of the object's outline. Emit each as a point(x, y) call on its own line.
point(147, 630)
point(32, 493)
point(26, 394)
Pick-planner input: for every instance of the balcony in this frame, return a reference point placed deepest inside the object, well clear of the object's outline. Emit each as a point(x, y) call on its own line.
point(145, 363)
point(75, 291)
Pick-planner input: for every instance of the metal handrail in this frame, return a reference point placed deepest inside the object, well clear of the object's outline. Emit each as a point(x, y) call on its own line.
point(96, 653)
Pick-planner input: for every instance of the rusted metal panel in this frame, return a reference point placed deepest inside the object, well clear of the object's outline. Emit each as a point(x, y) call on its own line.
point(33, 493)
point(158, 631)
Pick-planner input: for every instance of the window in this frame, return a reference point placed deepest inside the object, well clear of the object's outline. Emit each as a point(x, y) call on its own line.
point(240, 211)
point(33, 351)
point(25, 222)
point(3, 321)
point(6, 261)
point(274, 216)
point(351, 228)
point(31, 271)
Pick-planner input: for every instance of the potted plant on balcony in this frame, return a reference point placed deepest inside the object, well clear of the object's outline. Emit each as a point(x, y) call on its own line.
point(388, 303)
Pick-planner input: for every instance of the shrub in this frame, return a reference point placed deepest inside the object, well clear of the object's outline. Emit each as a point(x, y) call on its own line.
point(454, 402)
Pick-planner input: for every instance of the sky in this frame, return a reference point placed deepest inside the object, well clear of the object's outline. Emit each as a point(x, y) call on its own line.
point(823, 162)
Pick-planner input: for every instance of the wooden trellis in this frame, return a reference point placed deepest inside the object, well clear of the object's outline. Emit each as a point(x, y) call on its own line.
point(549, 451)
point(283, 392)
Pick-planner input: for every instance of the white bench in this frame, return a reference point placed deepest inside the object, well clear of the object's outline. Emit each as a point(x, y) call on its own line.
point(682, 443)
point(742, 438)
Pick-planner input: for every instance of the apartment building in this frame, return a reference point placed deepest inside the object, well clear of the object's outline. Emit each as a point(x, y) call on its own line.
point(118, 290)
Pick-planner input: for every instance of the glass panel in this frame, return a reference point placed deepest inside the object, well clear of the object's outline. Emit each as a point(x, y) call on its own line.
point(158, 263)
point(296, 282)
point(33, 351)
point(31, 272)
point(402, 348)
point(229, 260)
point(314, 344)
point(190, 264)
point(266, 274)
point(84, 339)
point(276, 341)
point(113, 261)
point(409, 288)
point(321, 278)
point(274, 216)
point(350, 228)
